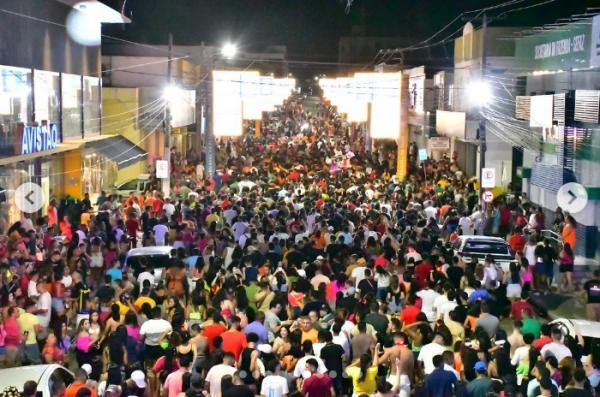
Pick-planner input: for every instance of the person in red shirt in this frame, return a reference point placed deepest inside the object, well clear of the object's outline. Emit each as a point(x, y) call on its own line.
point(518, 308)
point(422, 272)
point(132, 225)
point(213, 329)
point(157, 204)
point(409, 314)
point(317, 385)
point(545, 338)
point(517, 241)
point(234, 340)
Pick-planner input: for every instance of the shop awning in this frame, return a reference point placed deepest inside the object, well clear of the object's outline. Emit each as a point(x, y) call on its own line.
point(118, 149)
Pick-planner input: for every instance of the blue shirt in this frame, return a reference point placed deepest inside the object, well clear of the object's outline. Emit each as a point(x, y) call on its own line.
point(259, 329)
point(440, 382)
point(115, 274)
point(481, 293)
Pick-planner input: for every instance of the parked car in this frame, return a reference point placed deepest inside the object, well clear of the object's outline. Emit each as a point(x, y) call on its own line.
point(471, 248)
point(135, 185)
point(156, 257)
point(44, 375)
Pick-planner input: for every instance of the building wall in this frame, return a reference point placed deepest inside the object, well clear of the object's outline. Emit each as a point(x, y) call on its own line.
point(33, 44)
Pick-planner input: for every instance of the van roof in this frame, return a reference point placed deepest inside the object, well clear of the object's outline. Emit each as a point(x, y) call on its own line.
point(143, 251)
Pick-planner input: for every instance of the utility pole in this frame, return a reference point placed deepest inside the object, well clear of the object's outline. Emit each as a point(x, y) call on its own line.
point(482, 137)
point(166, 182)
point(210, 146)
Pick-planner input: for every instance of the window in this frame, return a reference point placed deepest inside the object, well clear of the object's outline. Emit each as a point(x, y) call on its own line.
point(71, 106)
point(486, 247)
point(46, 86)
point(15, 107)
point(91, 106)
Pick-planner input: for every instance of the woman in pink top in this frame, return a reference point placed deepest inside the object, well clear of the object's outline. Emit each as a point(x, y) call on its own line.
point(13, 336)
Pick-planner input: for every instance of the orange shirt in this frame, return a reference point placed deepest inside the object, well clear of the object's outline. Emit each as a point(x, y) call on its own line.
point(211, 332)
point(311, 335)
point(233, 342)
point(569, 235)
point(73, 388)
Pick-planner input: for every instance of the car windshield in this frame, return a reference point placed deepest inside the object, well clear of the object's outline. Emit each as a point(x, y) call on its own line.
point(131, 185)
point(153, 261)
point(486, 247)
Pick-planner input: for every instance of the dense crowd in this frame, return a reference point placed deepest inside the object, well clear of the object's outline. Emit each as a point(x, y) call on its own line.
point(302, 266)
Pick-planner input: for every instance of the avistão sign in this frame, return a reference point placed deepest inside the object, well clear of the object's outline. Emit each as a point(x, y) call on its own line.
point(37, 138)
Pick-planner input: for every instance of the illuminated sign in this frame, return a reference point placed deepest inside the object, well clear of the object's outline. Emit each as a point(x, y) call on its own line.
point(37, 138)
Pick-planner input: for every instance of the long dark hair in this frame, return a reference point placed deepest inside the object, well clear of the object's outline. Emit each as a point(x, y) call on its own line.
point(365, 361)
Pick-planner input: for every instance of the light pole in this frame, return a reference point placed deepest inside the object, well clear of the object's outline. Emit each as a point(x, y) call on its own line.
point(227, 51)
point(166, 182)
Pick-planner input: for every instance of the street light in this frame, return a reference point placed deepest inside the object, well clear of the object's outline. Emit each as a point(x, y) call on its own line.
point(479, 93)
point(229, 50)
point(171, 93)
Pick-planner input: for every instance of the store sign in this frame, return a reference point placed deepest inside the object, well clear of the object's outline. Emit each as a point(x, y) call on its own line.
point(488, 178)
point(162, 169)
point(573, 45)
point(439, 143)
point(38, 138)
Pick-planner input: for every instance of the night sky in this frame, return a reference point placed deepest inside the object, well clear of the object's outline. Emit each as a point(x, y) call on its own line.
point(311, 28)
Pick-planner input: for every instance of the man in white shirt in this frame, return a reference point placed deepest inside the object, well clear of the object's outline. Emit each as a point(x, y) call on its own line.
point(239, 228)
point(428, 296)
point(300, 369)
point(358, 274)
point(44, 305)
point(274, 385)
point(169, 208)
point(151, 331)
point(160, 233)
point(429, 351)
point(556, 348)
point(143, 276)
point(229, 214)
point(466, 225)
point(217, 372)
point(431, 211)
point(32, 290)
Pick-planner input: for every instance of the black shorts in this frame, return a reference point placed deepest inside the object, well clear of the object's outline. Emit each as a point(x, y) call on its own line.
point(153, 352)
point(563, 268)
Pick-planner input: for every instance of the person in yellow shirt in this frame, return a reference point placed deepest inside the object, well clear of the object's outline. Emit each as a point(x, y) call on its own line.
point(30, 326)
point(363, 373)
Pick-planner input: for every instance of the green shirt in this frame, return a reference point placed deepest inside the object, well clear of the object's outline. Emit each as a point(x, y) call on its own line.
point(479, 387)
point(531, 326)
point(251, 291)
point(378, 321)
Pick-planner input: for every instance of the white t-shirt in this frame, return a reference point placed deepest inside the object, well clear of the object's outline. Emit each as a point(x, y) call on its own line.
point(358, 274)
point(300, 369)
point(467, 226)
point(431, 212)
point(153, 329)
point(214, 376)
point(520, 355)
point(557, 350)
point(274, 386)
point(428, 296)
point(169, 209)
point(160, 231)
point(45, 303)
point(427, 353)
point(32, 291)
point(145, 276)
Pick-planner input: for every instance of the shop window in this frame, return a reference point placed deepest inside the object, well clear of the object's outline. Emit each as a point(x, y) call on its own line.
point(15, 107)
point(46, 86)
point(91, 106)
point(71, 106)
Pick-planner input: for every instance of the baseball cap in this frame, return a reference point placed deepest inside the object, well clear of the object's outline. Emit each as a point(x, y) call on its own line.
point(480, 366)
point(139, 378)
point(87, 368)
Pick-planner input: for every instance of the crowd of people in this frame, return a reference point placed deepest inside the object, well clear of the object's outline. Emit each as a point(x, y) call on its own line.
point(303, 266)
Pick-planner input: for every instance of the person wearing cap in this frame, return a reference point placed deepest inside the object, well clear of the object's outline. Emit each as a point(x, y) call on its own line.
point(481, 385)
point(136, 385)
point(81, 377)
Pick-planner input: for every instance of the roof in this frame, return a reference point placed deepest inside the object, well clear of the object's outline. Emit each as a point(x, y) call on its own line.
point(118, 149)
point(483, 238)
point(19, 375)
point(101, 11)
point(161, 250)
